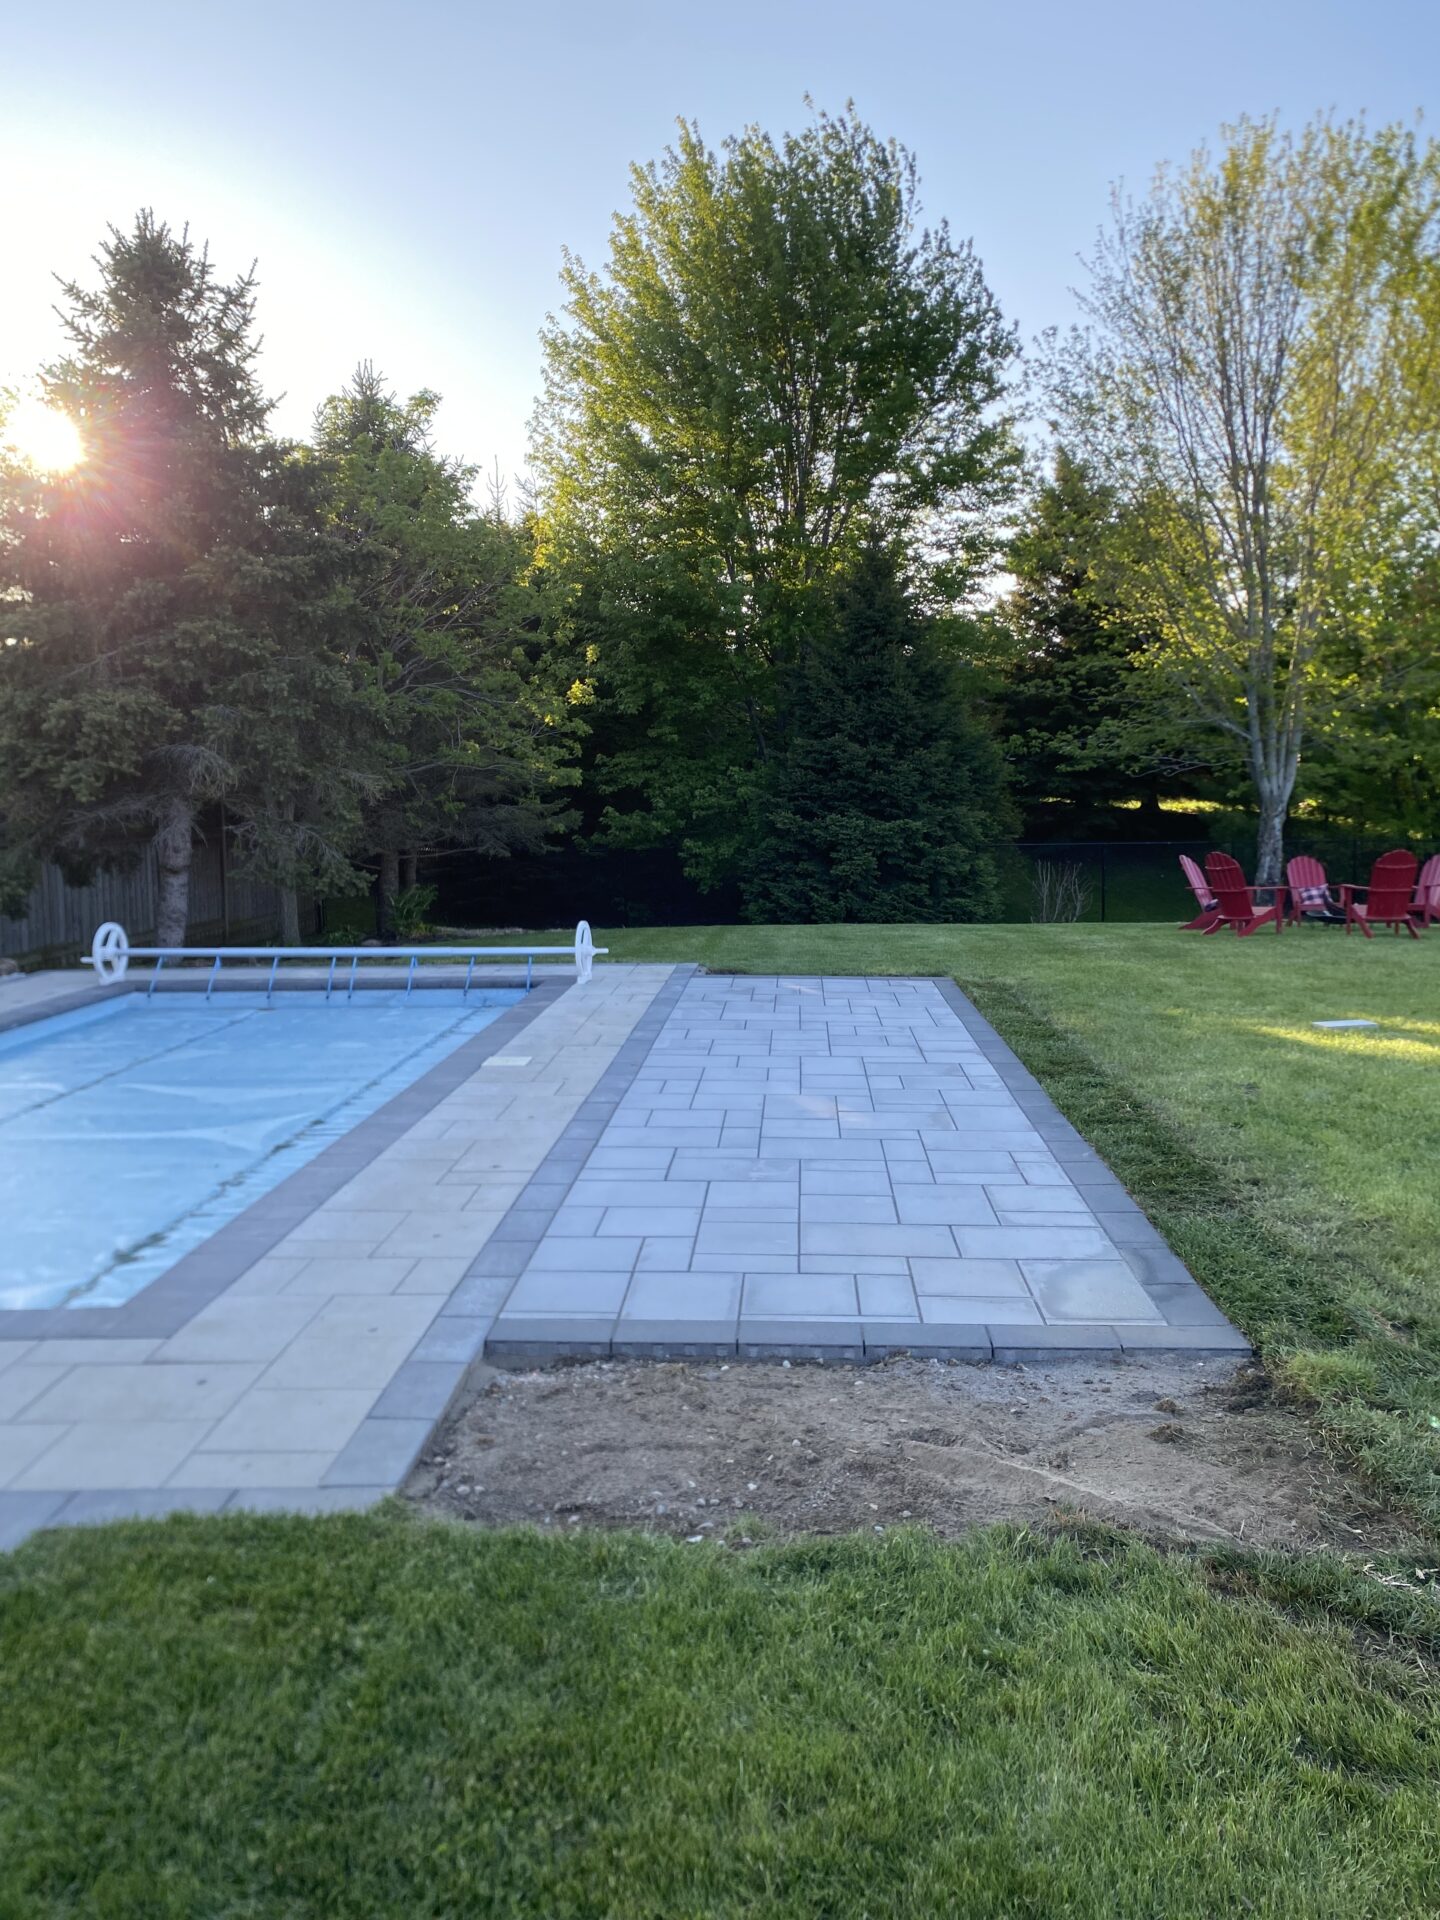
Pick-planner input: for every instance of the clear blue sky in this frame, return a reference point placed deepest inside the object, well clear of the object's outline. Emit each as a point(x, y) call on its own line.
point(407, 174)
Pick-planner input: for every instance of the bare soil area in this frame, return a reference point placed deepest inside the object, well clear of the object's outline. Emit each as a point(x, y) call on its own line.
point(1188, 1450)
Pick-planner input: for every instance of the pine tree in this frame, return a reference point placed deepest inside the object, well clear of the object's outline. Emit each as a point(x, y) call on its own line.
point(476, 738)
point(158, 592)
point(1082, 728)
point(889, 802)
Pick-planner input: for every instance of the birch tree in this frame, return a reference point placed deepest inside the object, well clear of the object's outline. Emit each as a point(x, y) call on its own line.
point(1260, 382)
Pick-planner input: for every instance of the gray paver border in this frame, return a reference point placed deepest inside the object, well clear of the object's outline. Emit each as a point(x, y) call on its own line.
point(173, 1298)
point(1194, 1325)
point(391, 1437)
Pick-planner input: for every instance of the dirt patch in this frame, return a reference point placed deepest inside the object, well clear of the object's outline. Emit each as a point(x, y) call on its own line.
point(1182, 1450)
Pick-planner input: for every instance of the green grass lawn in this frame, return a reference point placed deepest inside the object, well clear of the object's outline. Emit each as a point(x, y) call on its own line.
point(381, 1715)
point(1295, 1170)
point(372, 1715)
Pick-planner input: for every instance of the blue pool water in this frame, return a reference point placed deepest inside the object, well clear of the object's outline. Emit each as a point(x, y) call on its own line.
point(130, 1131)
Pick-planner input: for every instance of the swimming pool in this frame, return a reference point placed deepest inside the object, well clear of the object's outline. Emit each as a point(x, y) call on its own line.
point(131, 1131)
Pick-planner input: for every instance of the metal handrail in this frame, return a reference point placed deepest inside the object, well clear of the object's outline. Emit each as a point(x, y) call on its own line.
point(111, 953)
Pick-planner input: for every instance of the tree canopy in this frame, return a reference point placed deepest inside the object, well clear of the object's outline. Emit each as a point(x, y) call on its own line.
point(1260, 384)
point(473, 735)
point(778, 365)
point(332, 641)
point(794, 609)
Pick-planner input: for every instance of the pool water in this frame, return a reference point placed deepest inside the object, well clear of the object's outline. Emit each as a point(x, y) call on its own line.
point(131, 1131)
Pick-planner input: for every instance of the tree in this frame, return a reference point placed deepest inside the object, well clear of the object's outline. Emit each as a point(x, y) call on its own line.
point(297, 808)
point(474, 740)
point(888, 801)
point(1260, 386)
point(777, 366)
point(1078, 718)
point(1376, 724)
point(155, 592)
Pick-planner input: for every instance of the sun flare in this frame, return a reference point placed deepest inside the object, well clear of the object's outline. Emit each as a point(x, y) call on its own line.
point(44, 438)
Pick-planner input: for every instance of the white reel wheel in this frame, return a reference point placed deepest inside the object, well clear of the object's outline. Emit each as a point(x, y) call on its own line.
point(584, 952)
point(110, 951)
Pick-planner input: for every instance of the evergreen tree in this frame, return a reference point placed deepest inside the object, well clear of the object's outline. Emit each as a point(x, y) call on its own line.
point(1082, 729)
point(304, 781)
point(889, 800)
point(156, 593)
point(475, 738)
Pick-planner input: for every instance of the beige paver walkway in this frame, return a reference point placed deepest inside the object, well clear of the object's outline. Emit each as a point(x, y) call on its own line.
point(275, 1393)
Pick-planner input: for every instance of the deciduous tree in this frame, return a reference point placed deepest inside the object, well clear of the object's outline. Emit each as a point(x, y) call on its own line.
point(1261, 385)
point(778, 364)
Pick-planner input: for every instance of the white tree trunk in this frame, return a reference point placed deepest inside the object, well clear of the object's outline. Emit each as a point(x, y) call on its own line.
point(1273, 792)
point(174, 837)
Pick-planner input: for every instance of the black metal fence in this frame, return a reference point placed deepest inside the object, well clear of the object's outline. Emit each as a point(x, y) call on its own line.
point(1141, 879)
point(1113, 880)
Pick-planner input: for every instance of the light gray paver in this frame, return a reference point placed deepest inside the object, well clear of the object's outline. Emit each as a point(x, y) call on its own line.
point(578, 1290)
point(21, 1387)
point(129, 1393)
point(95, 1455)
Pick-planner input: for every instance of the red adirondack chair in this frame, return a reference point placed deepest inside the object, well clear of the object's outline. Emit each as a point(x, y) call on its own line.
point(1209, 906)
point(1309, 889)
point(1426, 906)
point(1238, 907)
point(1390, 896)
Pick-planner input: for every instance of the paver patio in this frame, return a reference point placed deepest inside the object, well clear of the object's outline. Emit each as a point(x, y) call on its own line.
point(838, 1168)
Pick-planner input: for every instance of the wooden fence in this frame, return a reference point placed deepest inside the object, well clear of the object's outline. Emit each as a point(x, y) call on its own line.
point(59, 921)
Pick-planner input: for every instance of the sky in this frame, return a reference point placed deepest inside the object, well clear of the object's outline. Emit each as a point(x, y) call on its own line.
point(406, 176)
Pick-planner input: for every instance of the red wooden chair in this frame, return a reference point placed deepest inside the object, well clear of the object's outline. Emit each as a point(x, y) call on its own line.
point(1390, 896)
point(1238, 907)
point(1309, 890)
point(1426, 905)
point(1209, 906)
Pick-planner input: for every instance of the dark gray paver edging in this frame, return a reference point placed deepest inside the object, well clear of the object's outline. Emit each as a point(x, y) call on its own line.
point(1194, 1324)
